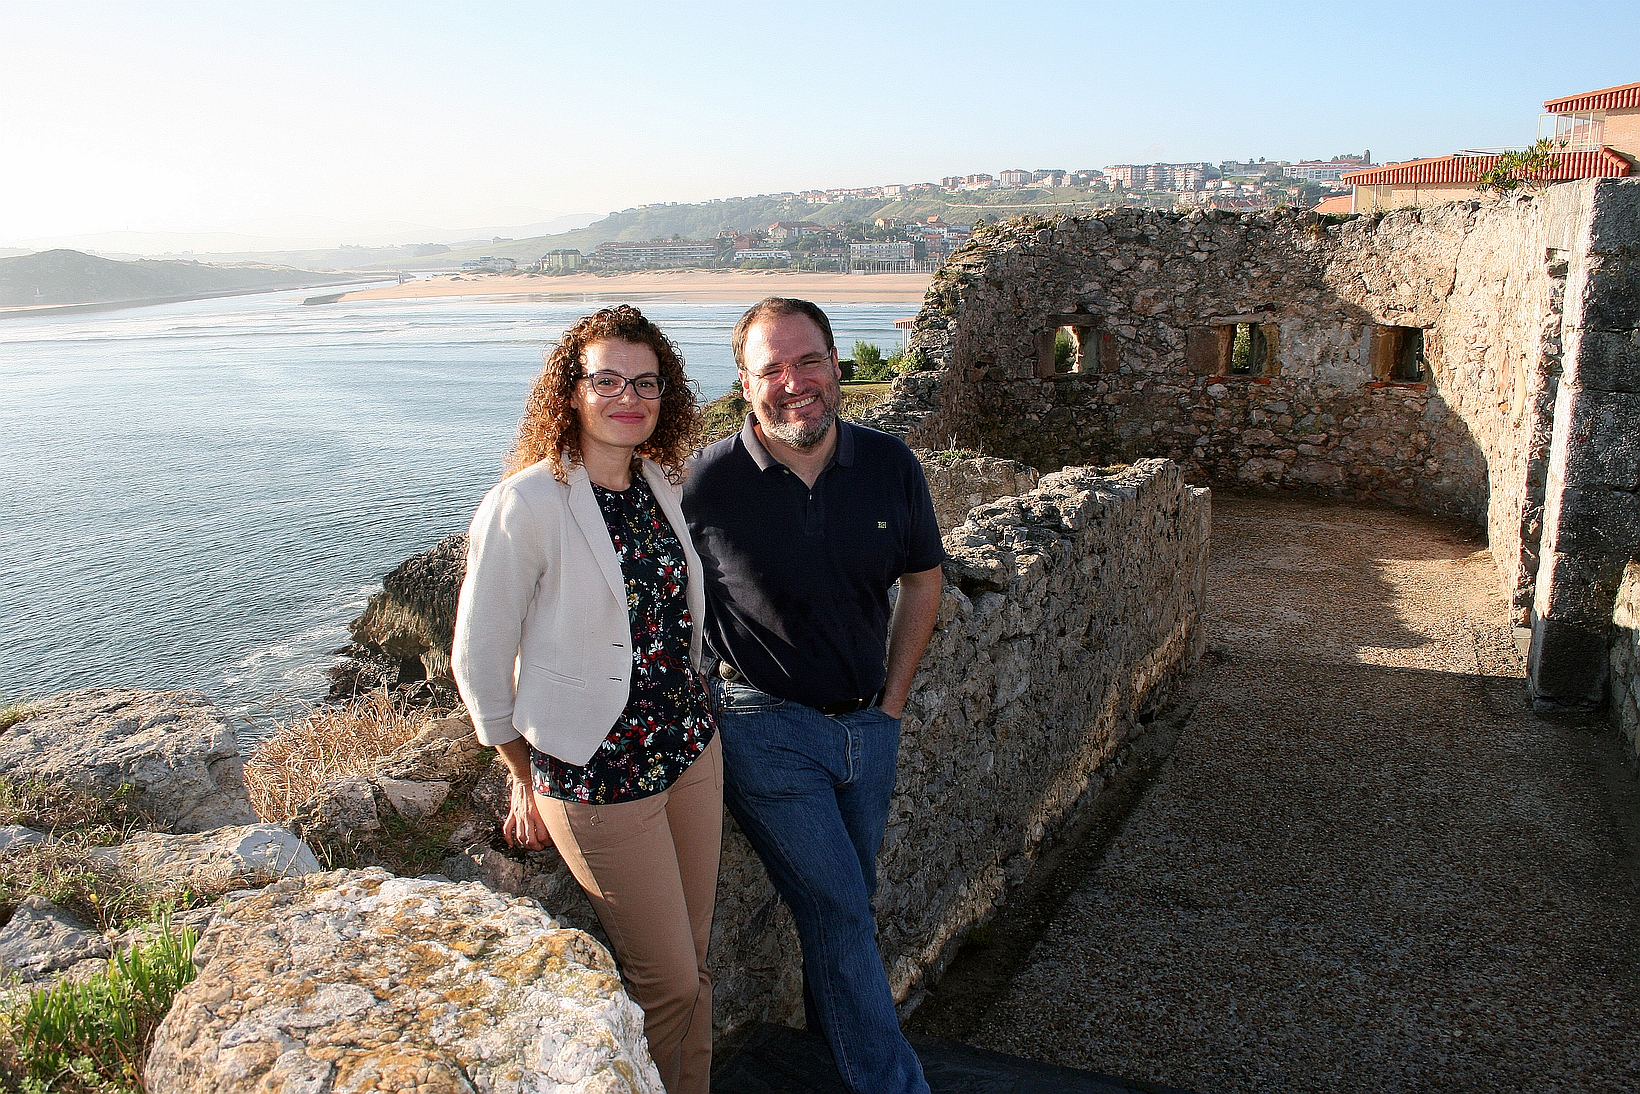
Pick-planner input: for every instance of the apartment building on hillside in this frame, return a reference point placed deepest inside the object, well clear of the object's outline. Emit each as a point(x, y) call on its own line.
point(1597, 134)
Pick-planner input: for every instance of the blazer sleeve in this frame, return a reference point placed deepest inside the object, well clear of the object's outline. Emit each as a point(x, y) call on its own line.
point(505, 561)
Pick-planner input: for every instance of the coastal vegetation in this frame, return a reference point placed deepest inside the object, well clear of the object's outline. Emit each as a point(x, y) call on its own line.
point(88, 1035)
point(92, 1036)
point(330, 743)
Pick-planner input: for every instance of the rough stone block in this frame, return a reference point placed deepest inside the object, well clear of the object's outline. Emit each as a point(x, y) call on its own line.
point(414, 801)
point(1576, 588)
point(174, 750)
point(364, 981)
point(1593, 523)
point(42, 940)
point(1595, 440)
point(1610, 291)
point(1566, 672)
point(250, 854)
point(1599, 360)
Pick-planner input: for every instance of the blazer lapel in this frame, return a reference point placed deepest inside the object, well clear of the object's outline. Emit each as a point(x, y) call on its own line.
point(584, 508)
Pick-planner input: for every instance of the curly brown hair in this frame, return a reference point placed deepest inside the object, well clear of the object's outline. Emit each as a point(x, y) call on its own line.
point(550, 429)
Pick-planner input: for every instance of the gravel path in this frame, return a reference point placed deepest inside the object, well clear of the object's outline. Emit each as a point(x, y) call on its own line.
point(1368, 866)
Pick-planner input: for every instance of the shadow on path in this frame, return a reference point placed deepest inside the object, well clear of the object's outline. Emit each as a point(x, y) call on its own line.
point(1367, 865)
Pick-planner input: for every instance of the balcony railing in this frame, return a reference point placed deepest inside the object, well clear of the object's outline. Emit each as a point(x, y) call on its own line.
point(1581, 132)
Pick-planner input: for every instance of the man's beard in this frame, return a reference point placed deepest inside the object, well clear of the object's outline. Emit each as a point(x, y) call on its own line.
point(805, 435)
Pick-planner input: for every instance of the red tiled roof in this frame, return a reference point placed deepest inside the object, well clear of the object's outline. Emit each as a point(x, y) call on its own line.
point(1602, 163)
point(1338, 204)
point(1626, 97)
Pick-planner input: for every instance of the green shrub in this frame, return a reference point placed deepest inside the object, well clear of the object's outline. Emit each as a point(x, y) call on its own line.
point(12, 713)
point(871, 365)
point(1064, 350)
point(92, 1037)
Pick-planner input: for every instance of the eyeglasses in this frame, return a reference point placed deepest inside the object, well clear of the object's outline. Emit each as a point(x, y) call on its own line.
point(611, 384)
point(806, 367)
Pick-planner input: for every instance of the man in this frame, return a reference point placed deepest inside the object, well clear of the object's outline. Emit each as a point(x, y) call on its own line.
point(803, 523)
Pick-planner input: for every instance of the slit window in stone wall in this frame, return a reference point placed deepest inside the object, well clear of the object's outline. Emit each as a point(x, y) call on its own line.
point(1398, 355)
point(1249, 351)
point(1234, 346)
point(1070, 348)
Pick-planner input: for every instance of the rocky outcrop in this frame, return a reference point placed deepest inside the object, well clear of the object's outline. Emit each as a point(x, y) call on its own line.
point(172, 752)
point(42, 942)
point(363, 981)
point(240, 857)
point(412, 782)
point(413, 619)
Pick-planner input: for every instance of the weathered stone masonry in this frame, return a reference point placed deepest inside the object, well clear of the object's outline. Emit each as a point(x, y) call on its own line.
point(1520, 417)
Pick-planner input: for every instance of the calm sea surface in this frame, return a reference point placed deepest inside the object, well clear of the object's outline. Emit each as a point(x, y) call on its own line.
point(203, 495)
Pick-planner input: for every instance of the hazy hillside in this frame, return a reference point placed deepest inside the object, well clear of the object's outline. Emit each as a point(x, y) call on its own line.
point(706, 219)
point(69, 277)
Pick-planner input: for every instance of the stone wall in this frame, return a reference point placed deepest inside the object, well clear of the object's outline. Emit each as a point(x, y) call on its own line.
point(1156, 301)
point(1625, 660)
point(1591, 514)
point(1069, 617)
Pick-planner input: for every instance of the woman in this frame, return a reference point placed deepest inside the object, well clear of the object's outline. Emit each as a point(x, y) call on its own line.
point(578, 653)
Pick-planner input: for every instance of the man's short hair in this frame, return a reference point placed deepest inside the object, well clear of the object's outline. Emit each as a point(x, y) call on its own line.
point(774, 307)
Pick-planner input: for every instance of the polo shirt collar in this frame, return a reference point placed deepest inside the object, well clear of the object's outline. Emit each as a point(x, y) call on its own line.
point(844, 456)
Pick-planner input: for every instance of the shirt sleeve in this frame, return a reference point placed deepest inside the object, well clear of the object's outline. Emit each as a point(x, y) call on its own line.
point(505, 561)
point(926, 550)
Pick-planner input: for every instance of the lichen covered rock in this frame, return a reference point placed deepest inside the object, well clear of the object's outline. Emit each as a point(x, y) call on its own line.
point(353, 981)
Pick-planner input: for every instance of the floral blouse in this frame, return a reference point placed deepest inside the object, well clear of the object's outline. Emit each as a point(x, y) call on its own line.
point(668, 717)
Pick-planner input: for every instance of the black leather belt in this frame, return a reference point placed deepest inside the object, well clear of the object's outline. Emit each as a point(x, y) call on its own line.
point(830, 710)
point(848, 706)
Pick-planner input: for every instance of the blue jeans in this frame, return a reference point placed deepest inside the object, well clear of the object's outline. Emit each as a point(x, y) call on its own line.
point(811, 793)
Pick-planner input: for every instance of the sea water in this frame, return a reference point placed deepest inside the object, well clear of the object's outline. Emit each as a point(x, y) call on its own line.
point(203, 495)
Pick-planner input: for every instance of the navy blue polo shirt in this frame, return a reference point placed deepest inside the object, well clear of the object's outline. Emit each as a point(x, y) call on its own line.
point(797, 579)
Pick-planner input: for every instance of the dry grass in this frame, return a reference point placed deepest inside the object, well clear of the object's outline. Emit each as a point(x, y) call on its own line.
point(12, 713)
point(330, 743)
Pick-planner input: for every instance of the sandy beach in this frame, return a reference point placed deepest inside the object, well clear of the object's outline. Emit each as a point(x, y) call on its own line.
point(694, 286)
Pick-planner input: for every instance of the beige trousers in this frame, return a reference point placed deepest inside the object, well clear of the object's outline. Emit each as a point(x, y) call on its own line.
point(650, 867)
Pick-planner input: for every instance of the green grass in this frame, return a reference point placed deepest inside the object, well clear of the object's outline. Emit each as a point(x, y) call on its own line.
point(92, 1037)
point(65, 870)
point(15, 712)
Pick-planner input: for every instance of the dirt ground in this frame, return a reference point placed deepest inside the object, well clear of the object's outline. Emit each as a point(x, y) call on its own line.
point(1367, 865)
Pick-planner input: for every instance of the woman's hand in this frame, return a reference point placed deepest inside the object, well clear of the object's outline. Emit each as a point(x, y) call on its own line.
point(524, 826)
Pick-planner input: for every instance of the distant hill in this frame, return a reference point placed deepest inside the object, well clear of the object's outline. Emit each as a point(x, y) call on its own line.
point(704, 220)
point(70, 277)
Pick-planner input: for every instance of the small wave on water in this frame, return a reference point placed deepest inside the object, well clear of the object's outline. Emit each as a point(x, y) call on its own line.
point(204, 495)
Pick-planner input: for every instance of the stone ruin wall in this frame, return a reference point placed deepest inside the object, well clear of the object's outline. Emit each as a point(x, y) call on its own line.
point(1069, 618)
point(1625, 661)
point(1500, 291)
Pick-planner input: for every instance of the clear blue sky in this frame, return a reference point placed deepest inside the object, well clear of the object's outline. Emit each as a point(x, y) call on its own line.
point(201, 116)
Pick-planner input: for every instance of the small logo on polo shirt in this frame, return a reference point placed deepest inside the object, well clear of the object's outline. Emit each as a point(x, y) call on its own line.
point(882, 524)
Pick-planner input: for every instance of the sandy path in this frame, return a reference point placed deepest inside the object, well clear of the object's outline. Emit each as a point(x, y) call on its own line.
point(1368, 866)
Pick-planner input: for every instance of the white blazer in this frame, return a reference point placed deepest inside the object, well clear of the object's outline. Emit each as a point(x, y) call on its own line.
point(543, 642)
